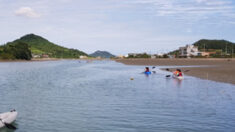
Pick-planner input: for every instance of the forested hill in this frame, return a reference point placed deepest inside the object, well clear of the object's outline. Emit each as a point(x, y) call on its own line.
point(102, 54)
point(40, 46)
point(215, 44)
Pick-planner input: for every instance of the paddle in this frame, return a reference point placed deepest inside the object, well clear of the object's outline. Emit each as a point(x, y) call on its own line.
point(170, 70)
point(154, 72)
point(9, 126)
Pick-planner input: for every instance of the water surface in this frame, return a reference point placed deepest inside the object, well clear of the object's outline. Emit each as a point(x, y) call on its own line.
point(98, 96)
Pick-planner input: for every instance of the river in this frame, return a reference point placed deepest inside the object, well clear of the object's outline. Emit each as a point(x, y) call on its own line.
point(99, 96)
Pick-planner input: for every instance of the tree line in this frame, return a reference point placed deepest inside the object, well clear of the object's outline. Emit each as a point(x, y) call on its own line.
point(13, 51)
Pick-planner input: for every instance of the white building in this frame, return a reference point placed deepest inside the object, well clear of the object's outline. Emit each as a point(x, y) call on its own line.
point(35, 56)
point(188, 50)
point(83, 57)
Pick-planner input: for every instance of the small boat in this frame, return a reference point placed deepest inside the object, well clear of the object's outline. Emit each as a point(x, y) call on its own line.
point(7, 118)
point(178, 77)
point(147, 73)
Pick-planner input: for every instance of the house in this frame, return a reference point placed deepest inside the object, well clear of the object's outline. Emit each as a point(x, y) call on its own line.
point(206, 54)
point(153, 56)
point(98, 57)
point(188, 50)
point(83, 57)
point(210, 52)
point(121, 56)
point(45, 56)
point(36, 56)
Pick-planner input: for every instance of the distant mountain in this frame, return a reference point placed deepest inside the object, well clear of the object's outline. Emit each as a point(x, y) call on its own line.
point(102, 54)
point(215, 44)
point(40, 46)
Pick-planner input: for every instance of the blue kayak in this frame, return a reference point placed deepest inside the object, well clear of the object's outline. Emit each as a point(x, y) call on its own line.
point(147, 73)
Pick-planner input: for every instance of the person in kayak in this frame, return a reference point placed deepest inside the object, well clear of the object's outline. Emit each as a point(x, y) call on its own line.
point(147, 69)
point(178, 73)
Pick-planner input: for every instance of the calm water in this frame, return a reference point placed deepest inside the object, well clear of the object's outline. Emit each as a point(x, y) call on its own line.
point(73, 96)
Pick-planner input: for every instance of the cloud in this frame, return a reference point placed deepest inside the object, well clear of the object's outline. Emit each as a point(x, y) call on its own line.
point(189, 7)
point(27, 12)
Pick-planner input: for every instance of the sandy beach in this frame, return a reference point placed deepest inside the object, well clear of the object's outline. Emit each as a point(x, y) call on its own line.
point(221, 70)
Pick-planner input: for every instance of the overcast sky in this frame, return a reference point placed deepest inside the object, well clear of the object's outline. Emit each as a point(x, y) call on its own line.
point(119, 26)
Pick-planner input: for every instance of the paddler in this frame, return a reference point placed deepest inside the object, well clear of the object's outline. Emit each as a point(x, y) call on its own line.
point(146, 69)
point(178, 73)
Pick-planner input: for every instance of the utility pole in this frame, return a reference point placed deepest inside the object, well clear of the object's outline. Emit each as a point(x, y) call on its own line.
point(232, 50)
point(226, 49)
point(204, 47)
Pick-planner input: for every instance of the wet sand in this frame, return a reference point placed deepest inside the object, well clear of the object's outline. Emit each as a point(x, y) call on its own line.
point(221, 70)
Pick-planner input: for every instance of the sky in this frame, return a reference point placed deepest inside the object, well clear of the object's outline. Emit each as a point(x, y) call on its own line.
point(119, 26)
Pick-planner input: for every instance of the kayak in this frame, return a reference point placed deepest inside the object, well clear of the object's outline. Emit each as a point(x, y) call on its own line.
point(8, 117)
point(178, 77)
point(147, 73)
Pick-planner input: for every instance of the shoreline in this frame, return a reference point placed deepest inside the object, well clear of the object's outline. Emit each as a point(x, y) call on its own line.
point(48, 59)
point(32, 60)
point(219, 70)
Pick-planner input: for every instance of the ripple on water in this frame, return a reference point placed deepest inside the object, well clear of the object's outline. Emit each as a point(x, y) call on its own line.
point(76, 96)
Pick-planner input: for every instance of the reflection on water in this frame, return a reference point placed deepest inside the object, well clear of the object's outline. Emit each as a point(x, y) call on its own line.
point(85, 96)
point(177, 82)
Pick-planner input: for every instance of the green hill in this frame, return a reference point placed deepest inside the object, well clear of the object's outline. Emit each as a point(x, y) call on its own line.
point(40, 46)
point(102, 54)
point(223, 48)
point(223, 45)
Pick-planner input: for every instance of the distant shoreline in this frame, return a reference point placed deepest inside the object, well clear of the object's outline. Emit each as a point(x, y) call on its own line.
point(48, 59)
point(220, 70)
point(43, 59)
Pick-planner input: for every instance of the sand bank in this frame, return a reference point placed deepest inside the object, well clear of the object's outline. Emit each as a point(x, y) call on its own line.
point(221, 70)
